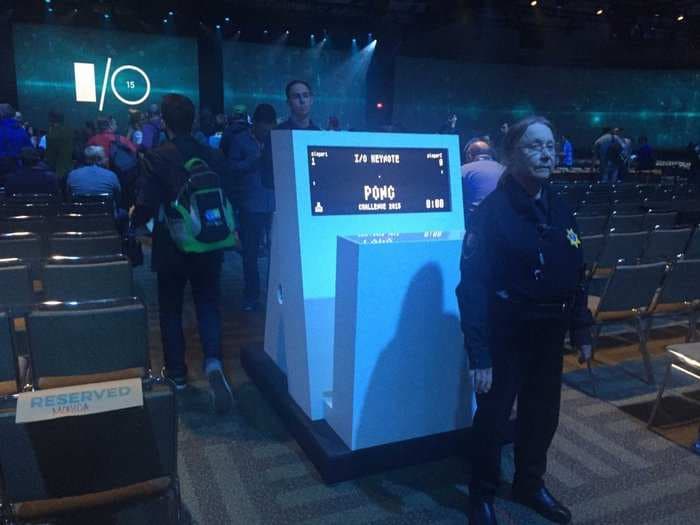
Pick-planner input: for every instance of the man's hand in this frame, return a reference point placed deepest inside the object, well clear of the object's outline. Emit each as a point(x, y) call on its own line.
point(481, 379)
point(585, 353)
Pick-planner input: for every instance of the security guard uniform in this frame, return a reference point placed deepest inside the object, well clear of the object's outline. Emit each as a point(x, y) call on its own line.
point(522, 288)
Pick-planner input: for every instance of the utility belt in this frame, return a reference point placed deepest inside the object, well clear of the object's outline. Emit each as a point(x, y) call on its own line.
point(528, 309)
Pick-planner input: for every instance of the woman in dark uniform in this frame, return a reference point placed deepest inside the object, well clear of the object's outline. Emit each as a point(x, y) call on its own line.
point(522, 289)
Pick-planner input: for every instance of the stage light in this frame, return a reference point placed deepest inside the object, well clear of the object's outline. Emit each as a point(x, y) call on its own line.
point(380, 105)
point(227, 19)
point(50, 9)
point(533, 3)
point(106, 15)
point(47, 1)
point(265, 32)
point(171, 13)
point(287, 31)
point(218, 26)
point(680, 18)
point(599, 12)
point(165, 20)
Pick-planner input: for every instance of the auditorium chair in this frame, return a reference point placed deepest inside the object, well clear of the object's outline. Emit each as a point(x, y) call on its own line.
point(684, 357)
point(620, 223)
point(587, 210)
point(625, 246)
point(87, 342)
point(591, 225)
point(680, 293)
point(661, 219)
point(592, 246)
point(104, 207)
point(87, 278)
point(76, 222)
point(17, 291)
point(665, 244)
point(692, 251)
point(22, 245)
point(628, 296)
point(24, 223)
point(627, 208)
point(117, 467)
point(84, 244)
point(8, 363)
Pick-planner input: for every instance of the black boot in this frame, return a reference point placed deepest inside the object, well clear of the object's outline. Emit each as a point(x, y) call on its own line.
point(481, 511)
point(542, 502)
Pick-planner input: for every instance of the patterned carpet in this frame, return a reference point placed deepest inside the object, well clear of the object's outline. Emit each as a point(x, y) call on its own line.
point(244, 468)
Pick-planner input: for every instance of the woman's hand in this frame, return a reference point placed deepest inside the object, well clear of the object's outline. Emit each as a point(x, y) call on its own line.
point(481, 379)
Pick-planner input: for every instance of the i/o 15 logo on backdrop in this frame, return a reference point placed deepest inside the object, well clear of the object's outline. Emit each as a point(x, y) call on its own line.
point(130, 84)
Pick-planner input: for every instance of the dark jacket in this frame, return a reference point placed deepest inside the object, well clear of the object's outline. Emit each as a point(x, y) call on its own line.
point(59, 149)
point(267, 175)
point(518, 260)
point(32, 179)
point(162, 174)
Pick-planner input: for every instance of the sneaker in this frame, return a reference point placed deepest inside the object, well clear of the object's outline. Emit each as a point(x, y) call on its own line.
point(219, 389)
point(179, 380)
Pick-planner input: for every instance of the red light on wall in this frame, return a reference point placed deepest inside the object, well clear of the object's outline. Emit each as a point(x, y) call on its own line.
point(380, 105)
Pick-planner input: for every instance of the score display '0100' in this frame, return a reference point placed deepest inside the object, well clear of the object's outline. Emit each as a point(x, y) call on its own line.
point(358, 181)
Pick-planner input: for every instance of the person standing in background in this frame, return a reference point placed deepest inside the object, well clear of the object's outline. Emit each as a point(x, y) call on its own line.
point(59, 146)
point(480, 175)
point(12, 139)
point(567, 152)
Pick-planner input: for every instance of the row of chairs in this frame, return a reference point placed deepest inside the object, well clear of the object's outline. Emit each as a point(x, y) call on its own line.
point(602, 252)
point(622, 221)
point(641, 292)
point(32, 246)
point(75, 222)
point(74, 466)
point(48, 205)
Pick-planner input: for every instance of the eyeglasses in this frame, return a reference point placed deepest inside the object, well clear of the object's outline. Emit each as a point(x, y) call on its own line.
point(539, 146)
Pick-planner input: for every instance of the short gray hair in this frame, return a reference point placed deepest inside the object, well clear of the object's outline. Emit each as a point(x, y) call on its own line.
point(95, 154)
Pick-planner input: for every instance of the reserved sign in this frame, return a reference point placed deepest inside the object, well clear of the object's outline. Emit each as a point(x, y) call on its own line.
point(78, 400)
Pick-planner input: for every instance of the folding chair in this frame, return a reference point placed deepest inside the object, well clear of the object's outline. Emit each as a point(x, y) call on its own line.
point(87, 278)
point(661, 219)
point(625, 246)
point(593, 225)
point(627, 296)
point(84, 244)
point(111, 467)
point(626, 223)
point(665, 245)
point(680, 293)
point(75, 222)
point(8, 363)
point(88, 342)
point(684, 358)
point(16, 285)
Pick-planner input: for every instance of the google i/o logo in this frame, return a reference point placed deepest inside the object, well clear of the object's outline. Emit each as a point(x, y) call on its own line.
point(130, 84)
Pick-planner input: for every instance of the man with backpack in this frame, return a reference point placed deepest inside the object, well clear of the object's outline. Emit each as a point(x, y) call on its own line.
point(180, 188)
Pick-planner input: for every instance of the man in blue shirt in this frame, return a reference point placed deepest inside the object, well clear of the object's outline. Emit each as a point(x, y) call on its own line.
point(13, 138)
point(480, 175)
point(94, 178)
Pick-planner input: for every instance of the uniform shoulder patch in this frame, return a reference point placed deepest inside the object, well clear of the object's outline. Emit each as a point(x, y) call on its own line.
point(573, 238)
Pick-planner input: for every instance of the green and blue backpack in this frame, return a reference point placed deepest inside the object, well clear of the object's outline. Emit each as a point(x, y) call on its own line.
point(200, 219)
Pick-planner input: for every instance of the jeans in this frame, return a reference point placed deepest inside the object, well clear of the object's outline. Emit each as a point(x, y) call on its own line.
point(203, 271)
point(252, 231)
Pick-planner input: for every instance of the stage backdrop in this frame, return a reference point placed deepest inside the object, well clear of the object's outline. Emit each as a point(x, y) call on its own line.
point(258, 73)
point(664, 105)
point(86, 73)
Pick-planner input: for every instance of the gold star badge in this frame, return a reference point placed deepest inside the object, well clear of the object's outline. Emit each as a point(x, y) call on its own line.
point(573, 238)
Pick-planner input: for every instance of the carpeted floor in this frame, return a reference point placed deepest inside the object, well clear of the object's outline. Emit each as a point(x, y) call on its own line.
point(245, 469)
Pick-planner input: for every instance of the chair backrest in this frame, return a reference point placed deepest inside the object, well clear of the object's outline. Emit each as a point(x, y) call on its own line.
point(587, 210)
point(75, 456)
point(665, 245)
point(24, 223)
point(682, 282)
point(87, 278)
point(692, 251)
point(626, 223)
point(16, 284)
point(75, 222)
point(88, 208)
point(23, 245)
point(84, 244)
point(87, 342)
point(592, 225)
point(597, 198)
point(631, 287)
point(12, 207)
point(627, 208)
point(661, 219)
point(592, 247)
point(8, 363)
point(626, 246)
